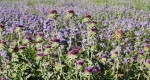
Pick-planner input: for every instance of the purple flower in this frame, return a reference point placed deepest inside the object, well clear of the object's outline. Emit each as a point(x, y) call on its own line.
point(40, 34)
point(88, 16)
point(2, 26)
point(93, 22)
point(4, 78)
point(28, 37)
point(78, 48)
point(21, 47)
point(80, 62)
point(3, 41)
point(94, 29)
point(71, 11)
point(47, 46)
point(148, 61)
point(141, 52)
point(56, 40)
point(53, 12)
point(88, 69)
point(38, 49)
point(42, 54)
point(17, 25)
point(73, 52)
point(96, 70)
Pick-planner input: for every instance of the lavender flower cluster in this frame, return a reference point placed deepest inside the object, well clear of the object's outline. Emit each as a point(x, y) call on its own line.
point(72, 40)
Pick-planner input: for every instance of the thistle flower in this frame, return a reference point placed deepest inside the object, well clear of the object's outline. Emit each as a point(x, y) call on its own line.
point(47, 46)
point(27, 39)
point(74, 52)
point(39, 36)
point(94, 30)
point(88, 70)
point(96, 70)
point(39, 49)
point(80, 62)
point(56, 40)
point(3, 42)
point(147, 63)
point(71, 11)
point(42, 54)
point(119, 34)
point(21, 47)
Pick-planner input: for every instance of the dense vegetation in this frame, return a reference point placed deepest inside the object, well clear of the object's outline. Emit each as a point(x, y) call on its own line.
point(66, 40)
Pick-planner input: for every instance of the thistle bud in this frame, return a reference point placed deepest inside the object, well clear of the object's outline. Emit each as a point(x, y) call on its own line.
point(52, 14)
point(2, 27)
point(119, 34)
point(88, 70)
point(70, 13)
point(86, 18)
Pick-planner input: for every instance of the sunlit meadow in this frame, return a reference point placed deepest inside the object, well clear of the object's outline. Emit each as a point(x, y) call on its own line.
point(74, 40)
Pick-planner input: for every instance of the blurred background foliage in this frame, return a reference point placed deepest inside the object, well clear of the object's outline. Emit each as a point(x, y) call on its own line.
point(138, 4)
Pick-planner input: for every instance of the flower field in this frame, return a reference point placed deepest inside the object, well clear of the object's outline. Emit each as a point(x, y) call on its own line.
point(73, 41)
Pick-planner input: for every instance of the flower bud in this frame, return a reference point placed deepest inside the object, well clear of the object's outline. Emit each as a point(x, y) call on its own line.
point(119, 34)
